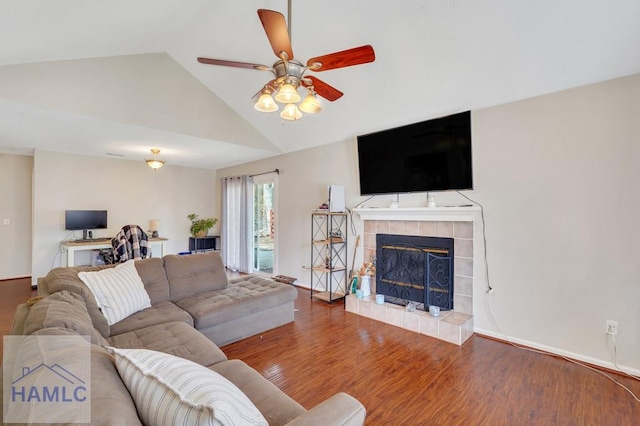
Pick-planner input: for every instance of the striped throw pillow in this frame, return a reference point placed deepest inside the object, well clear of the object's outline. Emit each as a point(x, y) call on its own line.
point(169, 390)
point(119, 291)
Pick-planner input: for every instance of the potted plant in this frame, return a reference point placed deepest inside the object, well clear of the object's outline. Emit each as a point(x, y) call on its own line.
point(200, 227)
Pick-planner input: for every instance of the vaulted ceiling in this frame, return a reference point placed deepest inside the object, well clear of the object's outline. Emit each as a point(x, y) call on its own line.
point(117, 78)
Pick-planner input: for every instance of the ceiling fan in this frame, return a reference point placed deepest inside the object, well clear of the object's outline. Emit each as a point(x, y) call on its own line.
point(290, 74)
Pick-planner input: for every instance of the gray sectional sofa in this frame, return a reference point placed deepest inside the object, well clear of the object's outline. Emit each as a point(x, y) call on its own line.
point(194, 308)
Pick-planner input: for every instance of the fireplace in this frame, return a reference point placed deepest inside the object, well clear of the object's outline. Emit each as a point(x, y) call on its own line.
point(415, 269)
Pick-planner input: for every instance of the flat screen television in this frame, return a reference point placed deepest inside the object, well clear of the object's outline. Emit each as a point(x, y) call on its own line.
point(75, 220)
point(433, 155)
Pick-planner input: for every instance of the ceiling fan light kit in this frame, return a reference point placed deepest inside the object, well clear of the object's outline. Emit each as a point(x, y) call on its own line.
point(289, 73)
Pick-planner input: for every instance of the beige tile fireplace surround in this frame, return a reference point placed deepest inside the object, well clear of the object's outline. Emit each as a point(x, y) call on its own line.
point(448, 222)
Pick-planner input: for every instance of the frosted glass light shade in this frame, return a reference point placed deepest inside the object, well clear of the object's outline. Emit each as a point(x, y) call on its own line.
point(291, 112)
point(155, 164)
point(287, 94)
point(311, 104)
point(154, 225)
point(266, 103)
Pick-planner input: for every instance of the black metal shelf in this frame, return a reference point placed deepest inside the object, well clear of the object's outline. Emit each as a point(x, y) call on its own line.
point(328, 255)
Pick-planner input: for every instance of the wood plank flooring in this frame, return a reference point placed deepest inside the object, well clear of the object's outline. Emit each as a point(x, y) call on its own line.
point(404, 378)
point(12, 293)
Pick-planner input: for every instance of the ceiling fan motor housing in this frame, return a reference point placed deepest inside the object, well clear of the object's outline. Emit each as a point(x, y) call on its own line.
point(289, 70)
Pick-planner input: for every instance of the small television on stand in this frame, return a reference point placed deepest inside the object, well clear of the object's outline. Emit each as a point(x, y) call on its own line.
point(433, 155)
point(85, 220)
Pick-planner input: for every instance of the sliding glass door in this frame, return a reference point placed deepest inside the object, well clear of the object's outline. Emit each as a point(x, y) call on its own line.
point(264, 224)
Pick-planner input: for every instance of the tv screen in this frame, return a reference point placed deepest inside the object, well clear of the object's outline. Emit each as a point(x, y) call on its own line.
point(75, 220)
point(433, 155)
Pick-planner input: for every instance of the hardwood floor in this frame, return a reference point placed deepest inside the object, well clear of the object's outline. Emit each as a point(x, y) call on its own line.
point(404, 378)
point(12, 293)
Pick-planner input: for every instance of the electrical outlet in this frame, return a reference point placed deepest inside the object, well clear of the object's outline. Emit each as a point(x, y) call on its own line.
point(612, 327)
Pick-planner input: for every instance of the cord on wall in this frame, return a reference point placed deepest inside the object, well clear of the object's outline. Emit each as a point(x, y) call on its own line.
point(484, 241)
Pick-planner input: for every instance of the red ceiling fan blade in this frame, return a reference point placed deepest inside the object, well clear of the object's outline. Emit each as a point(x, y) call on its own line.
point(328, 92)
point(234, 64)
point(345, 58)
point(276, 28)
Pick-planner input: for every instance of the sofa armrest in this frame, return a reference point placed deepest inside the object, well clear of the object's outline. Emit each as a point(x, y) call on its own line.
point(340, 409)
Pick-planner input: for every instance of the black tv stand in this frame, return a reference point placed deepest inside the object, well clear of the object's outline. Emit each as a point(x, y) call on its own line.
point(201, 244)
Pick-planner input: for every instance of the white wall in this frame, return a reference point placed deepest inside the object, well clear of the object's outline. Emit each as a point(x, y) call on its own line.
point(130, 191)
point(15, 206)
point(559, 181)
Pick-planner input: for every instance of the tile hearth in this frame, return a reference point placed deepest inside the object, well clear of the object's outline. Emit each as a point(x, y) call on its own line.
point(453, 327)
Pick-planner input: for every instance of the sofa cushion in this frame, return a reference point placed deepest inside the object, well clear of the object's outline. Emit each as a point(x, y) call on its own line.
point(106, 392)
point(277, 407)
point(243, 297)
point(59, 279)
point(62, 309)
point(175, 338)
point(165, 388)
point(119, 291)
point(154, 278)
point(157, 314)
point(195, 273)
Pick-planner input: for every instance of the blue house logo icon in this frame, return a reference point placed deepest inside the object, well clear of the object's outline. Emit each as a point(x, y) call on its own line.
point(60, 385)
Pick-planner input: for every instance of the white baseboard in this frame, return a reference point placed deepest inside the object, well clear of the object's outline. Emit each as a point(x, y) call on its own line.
point(560, 352)
point(14, 277)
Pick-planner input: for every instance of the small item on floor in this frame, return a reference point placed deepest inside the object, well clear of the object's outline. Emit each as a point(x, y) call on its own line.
point(380, 299)
point(284, 279)
point(434, 310)
point(411, 306)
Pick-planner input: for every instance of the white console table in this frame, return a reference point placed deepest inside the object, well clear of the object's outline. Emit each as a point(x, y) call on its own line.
point(157, 246)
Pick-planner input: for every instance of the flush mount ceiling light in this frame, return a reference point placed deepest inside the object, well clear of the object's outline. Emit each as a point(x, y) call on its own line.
point(154, 162)
point(289, 73)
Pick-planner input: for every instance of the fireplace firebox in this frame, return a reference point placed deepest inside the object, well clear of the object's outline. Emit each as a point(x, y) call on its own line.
point(415, 269)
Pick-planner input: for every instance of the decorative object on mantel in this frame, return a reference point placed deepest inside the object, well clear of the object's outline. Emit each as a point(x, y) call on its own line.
point(366, 272)
point(289, 73)
point(154, 162)
point(200, 227)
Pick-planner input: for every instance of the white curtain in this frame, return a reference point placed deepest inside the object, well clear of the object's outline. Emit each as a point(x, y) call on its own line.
point(237, 213)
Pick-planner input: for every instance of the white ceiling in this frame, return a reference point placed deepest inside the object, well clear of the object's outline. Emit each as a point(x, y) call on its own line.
point(120, 77)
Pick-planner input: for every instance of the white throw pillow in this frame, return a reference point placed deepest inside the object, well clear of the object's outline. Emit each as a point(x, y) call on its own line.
point(169, 390)
point(119, 291)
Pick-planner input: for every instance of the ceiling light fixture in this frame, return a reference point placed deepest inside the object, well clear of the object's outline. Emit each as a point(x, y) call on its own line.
point(154, 162)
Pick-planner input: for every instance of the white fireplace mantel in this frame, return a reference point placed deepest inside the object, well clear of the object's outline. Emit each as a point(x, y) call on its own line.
point(453, 213)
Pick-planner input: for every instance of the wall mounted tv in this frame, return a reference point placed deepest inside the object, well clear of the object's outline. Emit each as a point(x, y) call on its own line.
point(433, 155)
point(75, 220)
